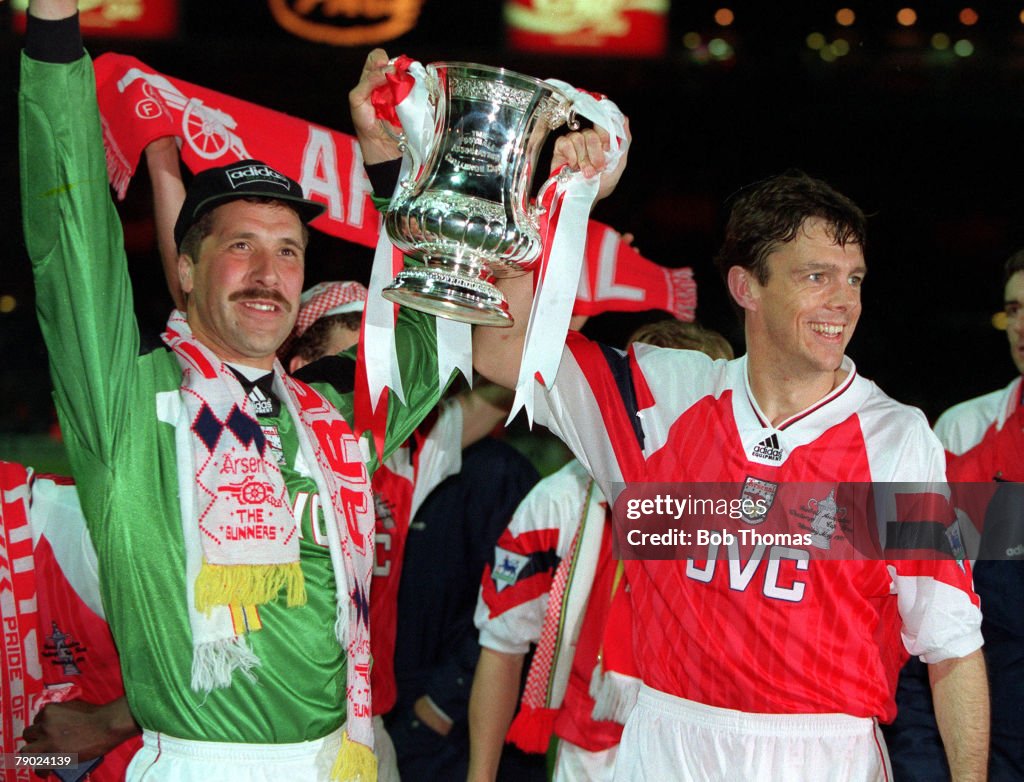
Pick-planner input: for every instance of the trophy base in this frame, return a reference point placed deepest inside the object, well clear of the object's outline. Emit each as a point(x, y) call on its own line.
point(451, 295)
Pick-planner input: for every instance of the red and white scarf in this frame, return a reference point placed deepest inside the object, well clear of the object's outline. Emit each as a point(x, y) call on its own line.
point(547, 680)
point(229, 483)
point(615, 681)
point(617, 278)
point(23, 681)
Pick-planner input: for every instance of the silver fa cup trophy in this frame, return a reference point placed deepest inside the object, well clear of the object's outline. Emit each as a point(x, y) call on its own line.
point(465, 209)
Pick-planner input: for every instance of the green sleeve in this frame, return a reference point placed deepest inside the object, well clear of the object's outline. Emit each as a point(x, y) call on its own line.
point(73, 236)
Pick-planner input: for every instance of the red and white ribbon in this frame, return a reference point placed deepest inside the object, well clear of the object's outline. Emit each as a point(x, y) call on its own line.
point(454, 339)
point(411, 108)
point(558, 276)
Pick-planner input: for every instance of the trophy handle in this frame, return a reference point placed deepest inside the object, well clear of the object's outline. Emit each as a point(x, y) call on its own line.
point(399, 138)
point(405, 148)
point(561, 112)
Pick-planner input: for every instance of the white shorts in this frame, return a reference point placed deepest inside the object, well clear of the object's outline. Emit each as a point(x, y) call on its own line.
point(164, 757)
point(575, 764)
point(384, 749)
point(673, 738)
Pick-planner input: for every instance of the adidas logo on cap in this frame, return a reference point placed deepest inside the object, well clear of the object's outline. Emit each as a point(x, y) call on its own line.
point(768, 449)
point(247, 175)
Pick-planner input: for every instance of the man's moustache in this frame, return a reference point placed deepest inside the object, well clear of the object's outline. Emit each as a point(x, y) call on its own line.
point(262, 293)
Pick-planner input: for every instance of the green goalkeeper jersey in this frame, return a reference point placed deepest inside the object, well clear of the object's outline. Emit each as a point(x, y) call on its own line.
point(115, 408)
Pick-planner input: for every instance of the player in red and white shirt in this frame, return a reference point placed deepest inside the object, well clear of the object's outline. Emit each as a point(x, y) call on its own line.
point(965, 425)
point(984, 442)
point(969, 424)
point(561, 524)
point(554, 582)
point(760, 666)
point(58, 645)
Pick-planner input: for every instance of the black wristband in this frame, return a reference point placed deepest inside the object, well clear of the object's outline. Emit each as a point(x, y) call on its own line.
point(53, 40)
point(384, 176)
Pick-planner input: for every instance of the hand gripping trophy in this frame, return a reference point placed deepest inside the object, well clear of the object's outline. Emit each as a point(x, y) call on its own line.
point(471, 135)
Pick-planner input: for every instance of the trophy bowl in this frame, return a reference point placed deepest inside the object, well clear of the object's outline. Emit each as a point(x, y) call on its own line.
point(464, 211)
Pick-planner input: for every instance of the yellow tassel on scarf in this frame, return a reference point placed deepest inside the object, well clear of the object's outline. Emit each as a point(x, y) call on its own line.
point(355, 762)
point(218, 585)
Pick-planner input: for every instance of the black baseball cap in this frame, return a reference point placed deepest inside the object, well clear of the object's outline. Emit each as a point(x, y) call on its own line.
point(244, 179)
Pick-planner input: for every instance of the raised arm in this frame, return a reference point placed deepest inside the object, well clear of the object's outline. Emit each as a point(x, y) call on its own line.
point(164, 166)
point(960, 694)
point(497, 351)
point(73, 233)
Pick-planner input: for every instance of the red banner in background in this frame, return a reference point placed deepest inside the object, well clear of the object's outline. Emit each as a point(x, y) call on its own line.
point(617, 278)
point(633, 28)
point(139, 105)
point(119, 18)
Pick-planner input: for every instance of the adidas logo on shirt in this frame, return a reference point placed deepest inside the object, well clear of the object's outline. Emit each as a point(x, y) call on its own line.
point(260, 403)
point(768, 449)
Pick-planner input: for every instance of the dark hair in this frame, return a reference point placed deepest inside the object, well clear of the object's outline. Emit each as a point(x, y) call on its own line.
point(1014, 264)
point(768, 214)
point(312, 344)
point(672, 333)
point(194, 236)
point(202, 227)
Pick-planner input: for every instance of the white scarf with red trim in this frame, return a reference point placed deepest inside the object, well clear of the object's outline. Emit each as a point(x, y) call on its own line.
point(241, 538)
point(548, 675)
point(19, 654)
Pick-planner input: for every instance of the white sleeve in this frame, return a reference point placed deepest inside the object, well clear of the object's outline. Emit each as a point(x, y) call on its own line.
point(936, 599)
point(57, 515)
point(513, 598)
point(940, 620)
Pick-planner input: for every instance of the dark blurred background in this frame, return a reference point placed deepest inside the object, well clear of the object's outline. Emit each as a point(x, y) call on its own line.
point(914, 111)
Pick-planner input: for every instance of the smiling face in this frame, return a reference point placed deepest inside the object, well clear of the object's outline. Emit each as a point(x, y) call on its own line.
point(243, 292)
point(801, 319)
